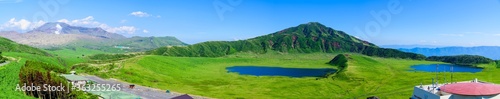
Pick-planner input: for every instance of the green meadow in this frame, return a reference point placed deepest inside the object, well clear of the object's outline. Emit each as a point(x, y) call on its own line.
point(365, 76)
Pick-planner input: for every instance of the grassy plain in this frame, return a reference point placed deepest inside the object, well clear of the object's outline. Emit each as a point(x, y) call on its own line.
point(74, 55)
point(365, 76)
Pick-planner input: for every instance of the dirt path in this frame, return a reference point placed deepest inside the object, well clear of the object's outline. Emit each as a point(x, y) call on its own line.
point(143, 92)
point(5, 63)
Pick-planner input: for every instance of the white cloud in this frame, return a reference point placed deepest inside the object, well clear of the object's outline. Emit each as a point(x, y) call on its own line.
point(90, 22)
point(121, 29)
point(22, 24)
point(145, 31)
point(140, 14)
point(158, 16)
point(87, 21)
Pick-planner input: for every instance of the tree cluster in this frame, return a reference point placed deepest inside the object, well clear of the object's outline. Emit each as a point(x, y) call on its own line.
point(110, 57)
point(43, 74)
point(2, 59)
point(461, 59)
point(497, 62)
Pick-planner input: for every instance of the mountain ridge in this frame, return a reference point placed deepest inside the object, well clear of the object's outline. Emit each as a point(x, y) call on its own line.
point(63, 28)
point(61, 35)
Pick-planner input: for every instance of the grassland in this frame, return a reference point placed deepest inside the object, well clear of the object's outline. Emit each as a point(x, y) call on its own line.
point(365, 76)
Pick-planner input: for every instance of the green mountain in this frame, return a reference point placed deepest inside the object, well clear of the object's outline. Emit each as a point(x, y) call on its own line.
point(305, 38)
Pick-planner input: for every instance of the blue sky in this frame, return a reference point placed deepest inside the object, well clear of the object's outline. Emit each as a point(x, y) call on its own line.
point(423, 22)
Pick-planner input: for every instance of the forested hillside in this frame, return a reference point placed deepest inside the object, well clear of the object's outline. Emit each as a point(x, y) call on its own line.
point(305, 38)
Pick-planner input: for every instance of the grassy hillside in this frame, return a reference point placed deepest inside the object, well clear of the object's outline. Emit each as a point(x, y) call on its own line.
point(18, 54)
point(9, 74)
point(365, 76)
point(7, 45)
point(305, 38)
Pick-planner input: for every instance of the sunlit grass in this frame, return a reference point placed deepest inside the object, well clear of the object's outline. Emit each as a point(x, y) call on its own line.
point(366, 76)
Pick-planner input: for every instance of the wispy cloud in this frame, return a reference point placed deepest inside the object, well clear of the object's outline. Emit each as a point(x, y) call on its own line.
point(145, 31)
point(11, 1)
point(90, 22)
point(140, 14)
point(123, 21)
point(455, 35)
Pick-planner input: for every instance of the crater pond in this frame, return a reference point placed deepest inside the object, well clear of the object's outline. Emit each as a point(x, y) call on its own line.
point(445, 68)
point(280, 71)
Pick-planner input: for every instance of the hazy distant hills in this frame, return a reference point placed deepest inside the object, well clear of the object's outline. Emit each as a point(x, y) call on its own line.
point(492, 52)
point(63, 28)
point(310, 37)
point(59, 35)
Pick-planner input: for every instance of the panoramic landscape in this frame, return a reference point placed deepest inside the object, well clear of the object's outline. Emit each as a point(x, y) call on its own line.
point(250, 49)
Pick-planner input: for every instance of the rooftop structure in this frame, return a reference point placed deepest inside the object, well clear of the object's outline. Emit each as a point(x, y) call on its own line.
point(75, 80)
point(474, 89)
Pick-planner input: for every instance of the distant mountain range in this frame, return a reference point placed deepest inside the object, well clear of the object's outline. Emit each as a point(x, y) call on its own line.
point(58, 35)
point(486, 51)
point(409, 46)
point(310, 37)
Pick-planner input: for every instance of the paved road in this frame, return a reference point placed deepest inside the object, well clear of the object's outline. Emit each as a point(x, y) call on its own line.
point(143, 92)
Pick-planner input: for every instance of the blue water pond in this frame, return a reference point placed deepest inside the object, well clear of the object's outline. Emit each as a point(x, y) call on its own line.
point(445, 68)
point(279, 71)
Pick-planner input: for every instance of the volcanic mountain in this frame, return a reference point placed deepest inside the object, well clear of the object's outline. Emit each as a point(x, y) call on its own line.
point(63, 28)
point(58, 34)
point(305, 38)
